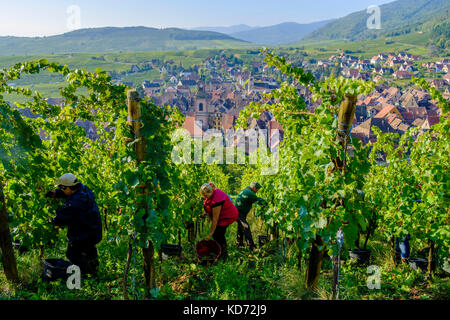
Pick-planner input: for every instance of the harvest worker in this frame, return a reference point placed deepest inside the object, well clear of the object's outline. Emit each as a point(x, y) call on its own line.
point(222, 213)
point(244, 202)
point(81, 215)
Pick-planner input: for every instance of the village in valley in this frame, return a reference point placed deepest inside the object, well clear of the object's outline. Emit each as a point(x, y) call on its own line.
point(212, 95)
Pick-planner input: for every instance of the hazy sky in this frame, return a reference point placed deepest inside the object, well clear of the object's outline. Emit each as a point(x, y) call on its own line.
point(49, 17)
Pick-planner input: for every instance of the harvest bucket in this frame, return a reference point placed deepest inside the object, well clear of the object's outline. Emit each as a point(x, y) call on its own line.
point(361, 256)
point(171, 249)
point(19, 247)
point(418, 263)
point(208, 251)
point(55, 269)
point(262, 240)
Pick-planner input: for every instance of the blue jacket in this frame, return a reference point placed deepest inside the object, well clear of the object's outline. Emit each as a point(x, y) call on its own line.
point(81, 215)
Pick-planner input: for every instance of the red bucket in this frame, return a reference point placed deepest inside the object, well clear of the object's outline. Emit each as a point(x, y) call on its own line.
point(208, 251)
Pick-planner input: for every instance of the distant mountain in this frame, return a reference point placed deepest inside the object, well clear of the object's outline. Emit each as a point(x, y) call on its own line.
point(284, 33)
point(227, 30)
point(112, 39)
point(398, 17)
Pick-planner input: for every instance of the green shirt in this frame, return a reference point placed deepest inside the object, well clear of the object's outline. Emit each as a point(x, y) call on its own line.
point(245, 200)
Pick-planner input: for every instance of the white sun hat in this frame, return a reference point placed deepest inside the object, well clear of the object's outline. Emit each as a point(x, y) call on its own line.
point(67, 180)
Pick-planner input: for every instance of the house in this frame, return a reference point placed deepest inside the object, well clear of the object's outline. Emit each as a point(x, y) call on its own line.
point(403, 55)
point(406, 67)
point(394, 62)
point(438, 67)
point(228, 121)
point(134, 68)
point(187, 83)
point(372, 111)
point(147, 84)
point(388, 109)
point(428, 65)
point(446, 94)
point(422, 97)
point(56, 101)
point(446, 78)
point(361, 113)
point(352, 73)
point(437, 83)
point(194, 127)
point(381, 70)
point(409, 101)
point(418, 122)
point(429, 122)
point(377, 78)
point(364, 130)
point(402, 75)
point(419, 112)
point(173, 80)
point(183, 89)
point(171, 89)
point(393, 95)
point(375, 59)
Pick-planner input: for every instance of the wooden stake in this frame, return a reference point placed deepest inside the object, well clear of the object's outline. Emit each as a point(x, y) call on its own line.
point(134, 121)
point(9, 259)
point(345, 117)
point(346, 113)
point(315, 263)
point(127, 267)
point(430, 258)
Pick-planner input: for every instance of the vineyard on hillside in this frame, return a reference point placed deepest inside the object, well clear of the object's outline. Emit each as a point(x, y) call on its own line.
point(328, 184)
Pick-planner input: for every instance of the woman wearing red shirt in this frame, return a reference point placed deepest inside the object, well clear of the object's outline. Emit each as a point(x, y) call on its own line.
point(222, 213)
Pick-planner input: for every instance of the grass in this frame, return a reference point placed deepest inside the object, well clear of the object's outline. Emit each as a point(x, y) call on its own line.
point(259, 276)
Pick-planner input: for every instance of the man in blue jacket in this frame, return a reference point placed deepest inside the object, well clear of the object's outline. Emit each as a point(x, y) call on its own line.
point(81, 215)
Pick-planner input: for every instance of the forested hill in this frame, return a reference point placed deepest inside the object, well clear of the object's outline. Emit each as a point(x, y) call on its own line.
point(284, 33)
point(402, 16)
point(112, 39)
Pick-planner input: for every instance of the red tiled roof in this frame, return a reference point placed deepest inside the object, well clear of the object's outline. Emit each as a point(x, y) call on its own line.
point(193, 129)
point(227, 121)
point(433, 120)
point(385, 111)
point(391, 117)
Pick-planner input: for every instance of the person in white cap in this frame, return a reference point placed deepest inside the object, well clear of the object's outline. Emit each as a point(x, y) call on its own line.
point(81, 215)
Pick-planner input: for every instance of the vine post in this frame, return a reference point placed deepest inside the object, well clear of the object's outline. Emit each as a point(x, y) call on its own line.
point(8, 260)
point(345, 116)
point(134, 121)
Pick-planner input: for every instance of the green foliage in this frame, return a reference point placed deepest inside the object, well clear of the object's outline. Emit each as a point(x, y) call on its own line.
point(397, 18)
point(106, 164)
point(411, 191)
point(309, 197)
